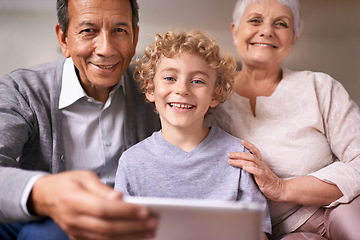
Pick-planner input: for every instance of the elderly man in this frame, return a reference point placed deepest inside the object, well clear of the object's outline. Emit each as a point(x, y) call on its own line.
point(77, 113)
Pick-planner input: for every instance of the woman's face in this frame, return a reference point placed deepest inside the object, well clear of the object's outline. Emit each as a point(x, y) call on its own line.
point(265, 34)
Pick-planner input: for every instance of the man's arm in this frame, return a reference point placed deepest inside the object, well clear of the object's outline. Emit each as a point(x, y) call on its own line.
point(86, 208)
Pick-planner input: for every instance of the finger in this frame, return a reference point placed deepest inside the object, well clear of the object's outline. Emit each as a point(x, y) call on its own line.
point(253, 169)
point(94, 236)
point(257, 172)
point(89, 203)
point(252, 148)
point(113, 195)
point(93, 228)
point(236, 163)
point(93, 184)
point(90, 235)
point(92, 197)
point(239, 155)
point(242, 163)
point(243, 156)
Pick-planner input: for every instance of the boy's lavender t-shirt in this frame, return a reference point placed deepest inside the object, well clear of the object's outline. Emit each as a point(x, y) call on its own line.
point(156, 168)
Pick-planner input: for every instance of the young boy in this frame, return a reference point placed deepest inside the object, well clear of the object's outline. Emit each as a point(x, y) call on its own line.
point(184, 74)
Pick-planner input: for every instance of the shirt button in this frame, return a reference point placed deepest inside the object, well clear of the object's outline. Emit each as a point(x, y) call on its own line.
point(108, 143)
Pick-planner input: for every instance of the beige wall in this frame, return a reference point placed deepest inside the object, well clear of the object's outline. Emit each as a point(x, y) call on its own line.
point(26, 39)
point(330, 41)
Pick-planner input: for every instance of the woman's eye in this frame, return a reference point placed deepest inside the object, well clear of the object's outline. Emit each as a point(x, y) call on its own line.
point(255, 20)
point(281, 24)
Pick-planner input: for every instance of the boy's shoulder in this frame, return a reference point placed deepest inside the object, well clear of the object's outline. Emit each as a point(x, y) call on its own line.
point(146, 145)
point(227, 141)
point(224, 134)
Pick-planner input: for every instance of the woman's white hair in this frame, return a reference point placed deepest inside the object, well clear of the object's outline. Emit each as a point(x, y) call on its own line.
point(293, 5)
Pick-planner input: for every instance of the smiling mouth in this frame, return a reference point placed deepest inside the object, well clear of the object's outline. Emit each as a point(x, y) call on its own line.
point(263, 45)
point(105, 67)
point(181, 106)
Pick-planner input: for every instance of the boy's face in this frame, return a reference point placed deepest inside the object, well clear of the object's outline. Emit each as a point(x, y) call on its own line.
point(184, 90)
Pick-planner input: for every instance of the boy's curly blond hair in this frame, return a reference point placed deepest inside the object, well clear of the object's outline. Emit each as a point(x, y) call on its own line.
point(171, 44)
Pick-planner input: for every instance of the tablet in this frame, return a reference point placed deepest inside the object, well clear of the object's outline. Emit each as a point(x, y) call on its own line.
point(182, 219)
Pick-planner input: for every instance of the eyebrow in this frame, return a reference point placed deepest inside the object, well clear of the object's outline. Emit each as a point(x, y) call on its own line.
point(86, 24)
point(122, 24)
point(168, 69)
point(202, 73)
point(193, 73)
point(255, 14)
point(93, 24)
point(288, 18)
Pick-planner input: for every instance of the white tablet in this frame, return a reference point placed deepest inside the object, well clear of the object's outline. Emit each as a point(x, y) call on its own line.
point(182, 219)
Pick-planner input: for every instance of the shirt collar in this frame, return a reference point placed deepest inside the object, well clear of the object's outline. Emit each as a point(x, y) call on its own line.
point(71, 89)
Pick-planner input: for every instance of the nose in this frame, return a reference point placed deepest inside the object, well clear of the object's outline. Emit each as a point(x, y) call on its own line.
point(266, 30)
point(182, 87)
point(105, 47)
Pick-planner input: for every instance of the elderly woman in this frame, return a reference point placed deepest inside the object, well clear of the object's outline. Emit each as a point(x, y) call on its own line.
point(304, 123)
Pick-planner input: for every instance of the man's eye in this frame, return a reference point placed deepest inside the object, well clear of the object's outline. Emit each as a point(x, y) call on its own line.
point(120, 30)
point(88, 30)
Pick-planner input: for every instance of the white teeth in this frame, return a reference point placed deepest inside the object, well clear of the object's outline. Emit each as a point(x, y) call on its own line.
point(264, 45)
point(181, 106)
point(105, 66)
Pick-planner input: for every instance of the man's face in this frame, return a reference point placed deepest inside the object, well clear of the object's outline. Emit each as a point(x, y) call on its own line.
point(100, 40)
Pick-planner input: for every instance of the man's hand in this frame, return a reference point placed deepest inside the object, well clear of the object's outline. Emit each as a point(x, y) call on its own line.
point(85, 208)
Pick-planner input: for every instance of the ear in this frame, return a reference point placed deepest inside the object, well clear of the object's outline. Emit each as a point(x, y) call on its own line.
point(215, 97)
point(150, 95)
point(295, 40)
point(214, 103)
point(233, 31)
point(136, 38)
point(62, 39)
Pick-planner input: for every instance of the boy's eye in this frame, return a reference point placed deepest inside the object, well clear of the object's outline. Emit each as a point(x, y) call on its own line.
point(169, 78)
point(197, 81)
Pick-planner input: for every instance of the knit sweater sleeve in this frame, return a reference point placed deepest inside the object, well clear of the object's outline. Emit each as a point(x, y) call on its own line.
point(27, 134)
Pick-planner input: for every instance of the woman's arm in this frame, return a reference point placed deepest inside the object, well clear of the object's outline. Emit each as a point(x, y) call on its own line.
point(306, 190)
point(309, 190)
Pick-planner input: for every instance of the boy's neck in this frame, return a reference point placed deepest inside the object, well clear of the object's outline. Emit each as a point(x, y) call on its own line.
point(185, 138)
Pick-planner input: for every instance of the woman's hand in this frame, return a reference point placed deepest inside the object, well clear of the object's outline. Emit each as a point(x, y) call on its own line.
point(305, 190)
point(270, 185)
